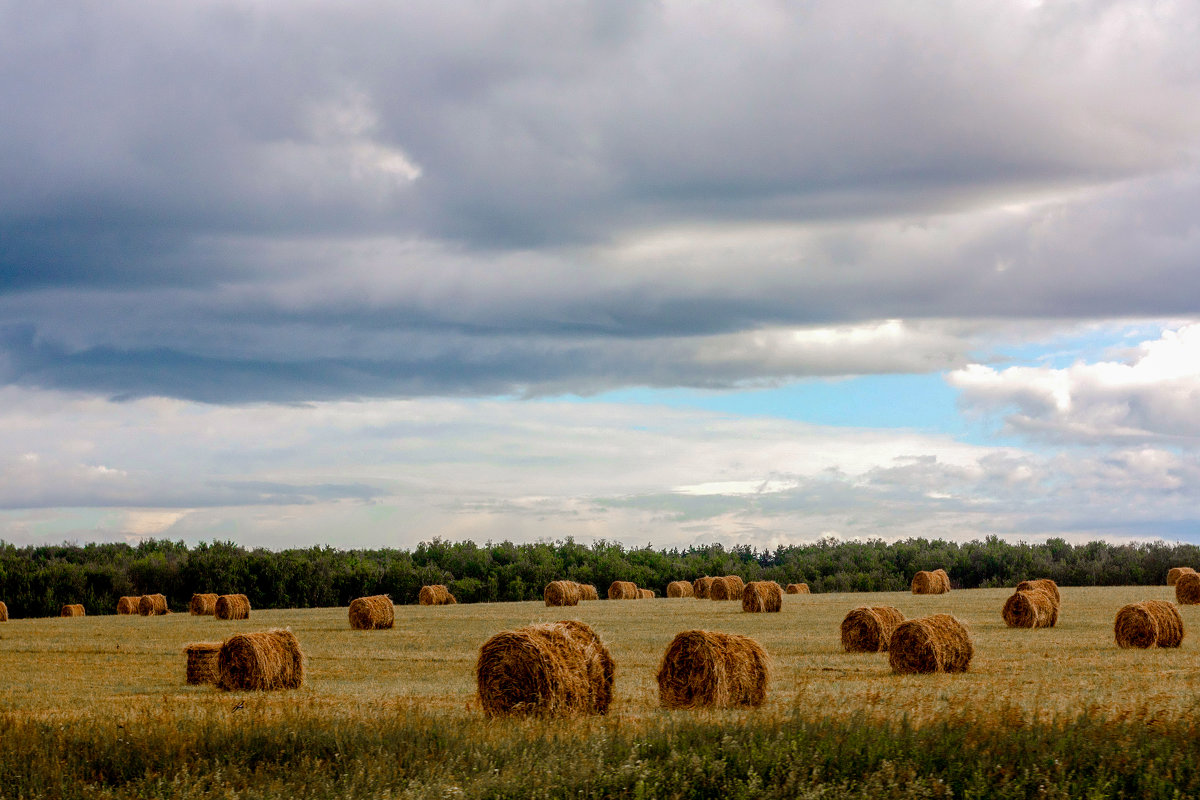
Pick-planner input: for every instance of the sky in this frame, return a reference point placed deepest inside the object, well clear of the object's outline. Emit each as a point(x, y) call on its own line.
point(658, 273)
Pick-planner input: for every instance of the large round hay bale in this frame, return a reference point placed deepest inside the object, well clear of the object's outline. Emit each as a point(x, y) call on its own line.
point(152, 605)
point(129, 604)
point(1045, 584)
point(711, 669)
point(797, 588)
point(202, 662)
point(925, 582)
point(680, 589)
point(736, 586)
point(1187, 589)
point(261, 661)
point(3, 611)
point(232, 606)
point(203, 605)
point(556, 668)
point(1174, 572)
point(728, 587)
point(1150, 623)
point(943, 579)
point(587, 592)
point(72, 610)
point(436, 595)
point(372, 613)
point(623, 590)
point(868, 629)
point(701, 587)
point(762, 596)
point(561, 593)
point(1030, 608)
point(937, 643)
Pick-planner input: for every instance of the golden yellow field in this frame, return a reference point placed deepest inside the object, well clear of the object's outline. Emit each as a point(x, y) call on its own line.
point(110, 666)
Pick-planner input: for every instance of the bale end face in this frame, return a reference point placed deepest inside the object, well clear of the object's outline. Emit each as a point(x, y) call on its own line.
point(202, 662)
point(711, 669)
point(701, 587)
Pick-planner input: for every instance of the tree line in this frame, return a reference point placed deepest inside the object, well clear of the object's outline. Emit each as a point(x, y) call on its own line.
point(39, 580)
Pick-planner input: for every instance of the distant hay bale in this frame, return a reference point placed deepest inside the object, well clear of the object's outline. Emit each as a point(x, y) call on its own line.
point(1030, 608)
point(232, 606)
point(623, 590)
point(436, 595)
point(737, 586)
point(3, 612)
point(937, 643)
point(72, 610)
point(729, 587)
point(129, 604)
point(202, 662)
point(645, 594)
point(1045, 584)
point(701, 587)
point(552, 669)
point(943, 579)
point(762, 597)
point(1150, 623)
point(372, 613)
point(867, 629)
point(711, 669)
point(152, 605)
point(203, 605)
point(930, 583)
point(561, 593)
point(1187, 589)
point(680, 589)
point(1174, 572)
point(262, 661)
point(797, 588)
point(587, 592)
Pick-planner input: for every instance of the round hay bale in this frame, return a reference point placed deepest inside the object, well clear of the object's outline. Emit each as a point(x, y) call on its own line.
point(868, 629)
point(436, 595)
point(1174, 572)
point(726, 588)
point(623, 590)
point(129, 604)
point(680, 589)
point(1150, 623)
point(3, 611)
point(1045, 584)
point(372, 613)
point(152, 605)
point(1030, 608)
point(943, 579)
point(72, 610)
point(232, 606)
point(1187, 589)
point(645, 594)
point(701, 587)
point(561, 593)
point(736, 586)
point(937, 643)
point(797, 588)
point(557, 668)
point(262, 661)
point(711, 669)
point(202, 662)
point(925, 582)
point(587, 592)
point(762, 597)
point(203, 605)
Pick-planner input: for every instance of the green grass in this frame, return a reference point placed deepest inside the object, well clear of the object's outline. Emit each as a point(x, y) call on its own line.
point(97, 707)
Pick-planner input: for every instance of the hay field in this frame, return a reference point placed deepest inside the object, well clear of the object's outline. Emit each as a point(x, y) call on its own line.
point(96, 666)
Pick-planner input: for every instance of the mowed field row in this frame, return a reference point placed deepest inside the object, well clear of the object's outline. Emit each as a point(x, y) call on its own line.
point(65, 667)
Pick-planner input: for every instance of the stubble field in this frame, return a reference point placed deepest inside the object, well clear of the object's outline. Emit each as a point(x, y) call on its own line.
point(399, 705)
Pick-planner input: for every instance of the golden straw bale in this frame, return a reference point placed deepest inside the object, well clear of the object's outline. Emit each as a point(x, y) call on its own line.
point(1187, 589)
point(436, 595)
point(943, 579)
point(937, 643)
point(707, 668)
point(930, 583)
point(3, 611)
point(372, 613)
point(867, 629)
point(587, 592)
point(1030, 608)
point(202, 662)
point(623, 590)
point(1045, 584)
point(1174, 572)
point(736, 585)
point(729, 587)
point(1150, 623)
point(152, 605)
point(129, 604)
point(72, 610)
point(701, 587)
point(232, 606)
point(645, 594)
point(561, 593)
point(797, 588)
point(762, 596)
point(203, 605)
point(680, 589)
point(557, 668)
point(261, 661)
